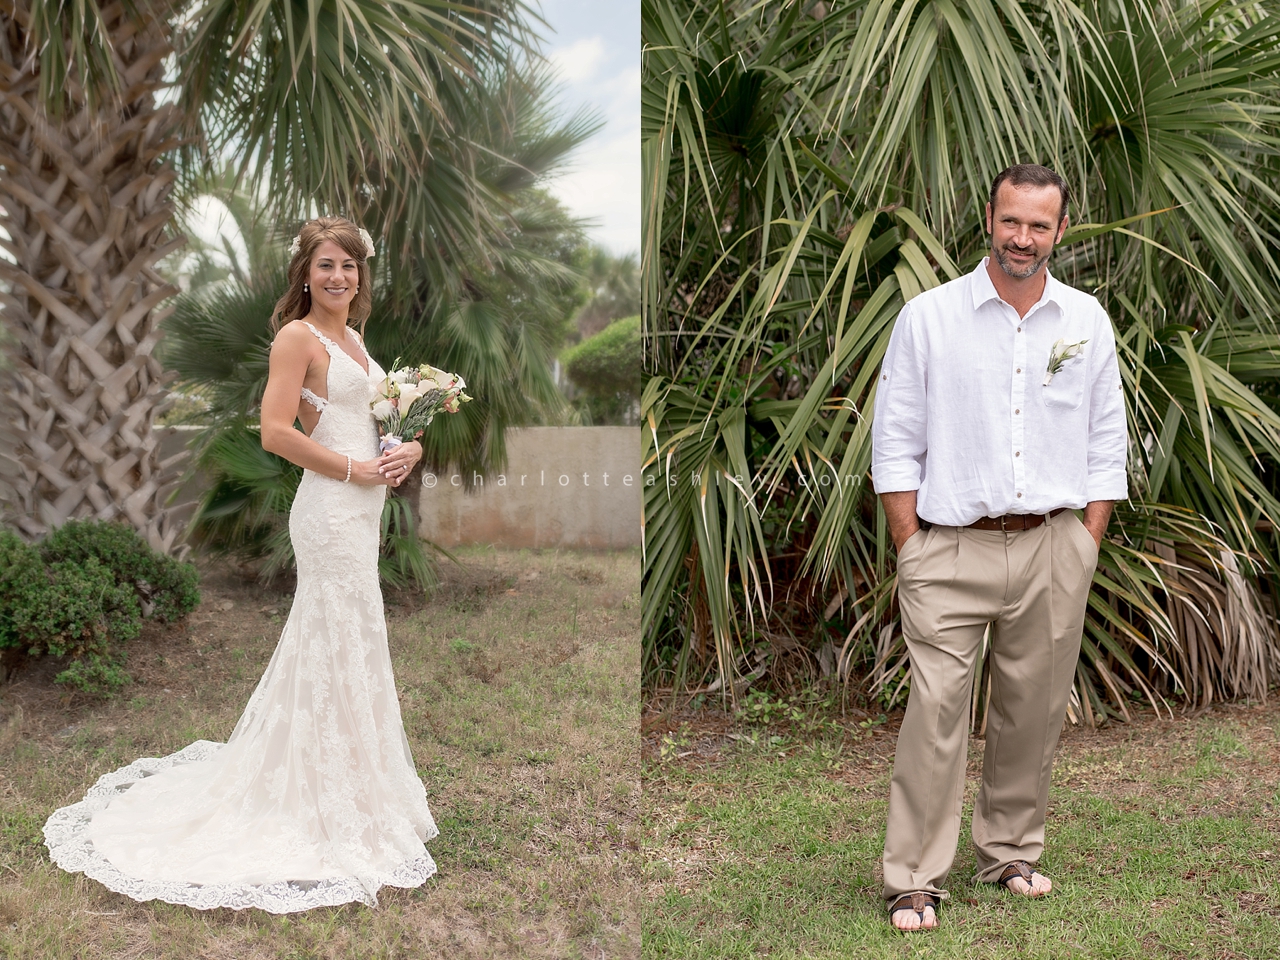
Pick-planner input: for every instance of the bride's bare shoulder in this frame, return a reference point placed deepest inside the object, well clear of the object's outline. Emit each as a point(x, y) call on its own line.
point(295, 330)
point(292, 335)
point(296, 346)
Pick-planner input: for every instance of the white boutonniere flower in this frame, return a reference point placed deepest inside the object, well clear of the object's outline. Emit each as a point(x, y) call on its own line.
point(1060, 353)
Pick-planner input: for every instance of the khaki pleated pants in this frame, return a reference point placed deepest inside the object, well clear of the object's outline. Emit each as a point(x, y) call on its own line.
point(1031, 586)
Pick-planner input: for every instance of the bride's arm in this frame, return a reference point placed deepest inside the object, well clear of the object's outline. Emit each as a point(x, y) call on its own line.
point(290, 356)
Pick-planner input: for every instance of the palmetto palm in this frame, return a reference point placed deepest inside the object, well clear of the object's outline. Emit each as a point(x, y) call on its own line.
point(316, 99)
point(613, 290)
point(807, 169)
point(498, 321)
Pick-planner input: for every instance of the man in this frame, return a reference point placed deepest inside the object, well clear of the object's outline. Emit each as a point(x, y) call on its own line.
point(999, 413)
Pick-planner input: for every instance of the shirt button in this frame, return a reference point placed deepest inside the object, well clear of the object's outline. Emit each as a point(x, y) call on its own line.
point(1017, 411)
point(1019, 329)
point(1017, 453)
point(884, 377)
point(1019, 495)
point(1019, 370)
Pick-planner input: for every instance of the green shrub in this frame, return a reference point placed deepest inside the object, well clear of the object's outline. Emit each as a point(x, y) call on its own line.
point(95, 674)
point(23, 586)
point(167, 590)
point(83, 593)
point(606, 368)
point(79, 608)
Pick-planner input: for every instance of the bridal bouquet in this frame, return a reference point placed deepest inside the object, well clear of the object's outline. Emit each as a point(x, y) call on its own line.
point(408, 399)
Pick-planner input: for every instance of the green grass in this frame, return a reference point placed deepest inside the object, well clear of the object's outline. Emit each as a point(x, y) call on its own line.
point(518, 686)
point(1163, 841)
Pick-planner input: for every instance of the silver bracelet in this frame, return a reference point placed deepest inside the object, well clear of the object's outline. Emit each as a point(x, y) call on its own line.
point(347, 478)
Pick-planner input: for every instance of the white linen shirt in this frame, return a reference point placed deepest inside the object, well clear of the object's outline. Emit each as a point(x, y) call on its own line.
point(962, 414)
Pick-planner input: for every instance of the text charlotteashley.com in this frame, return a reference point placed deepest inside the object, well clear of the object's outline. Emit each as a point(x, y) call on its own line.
point(604, 479)
point(541, 479)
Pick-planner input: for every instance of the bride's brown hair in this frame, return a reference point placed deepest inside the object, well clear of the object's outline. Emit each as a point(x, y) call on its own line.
point(296, 301)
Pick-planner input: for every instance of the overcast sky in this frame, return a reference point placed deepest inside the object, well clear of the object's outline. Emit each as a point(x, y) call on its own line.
point(595, 47)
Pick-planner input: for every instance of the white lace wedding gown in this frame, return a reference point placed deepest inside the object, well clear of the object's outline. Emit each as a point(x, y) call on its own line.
point(314, 799)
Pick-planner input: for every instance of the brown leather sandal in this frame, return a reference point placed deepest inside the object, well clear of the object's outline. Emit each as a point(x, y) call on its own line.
point(1018, 868)
point(914, 901)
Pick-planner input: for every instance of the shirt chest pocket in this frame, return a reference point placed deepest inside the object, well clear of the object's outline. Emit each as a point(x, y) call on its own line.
point(1066, 390)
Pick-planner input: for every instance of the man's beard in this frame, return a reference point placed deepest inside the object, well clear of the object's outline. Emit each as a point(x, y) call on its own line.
point(1019, 273)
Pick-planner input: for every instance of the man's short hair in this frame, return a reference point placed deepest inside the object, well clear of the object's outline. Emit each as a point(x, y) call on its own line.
point(1030, 175)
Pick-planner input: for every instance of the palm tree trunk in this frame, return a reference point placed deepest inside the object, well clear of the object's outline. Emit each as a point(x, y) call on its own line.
point(83, 199)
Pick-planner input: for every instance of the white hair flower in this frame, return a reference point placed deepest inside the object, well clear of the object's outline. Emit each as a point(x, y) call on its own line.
point(364, 236)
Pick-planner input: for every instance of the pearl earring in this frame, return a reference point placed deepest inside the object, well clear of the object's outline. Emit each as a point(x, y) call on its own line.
point(306, 288)
point(357, 289)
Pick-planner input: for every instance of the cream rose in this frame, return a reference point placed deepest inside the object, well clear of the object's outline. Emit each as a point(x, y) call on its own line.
point(409, 393)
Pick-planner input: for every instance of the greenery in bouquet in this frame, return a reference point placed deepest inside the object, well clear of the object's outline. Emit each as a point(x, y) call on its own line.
point(408, 399)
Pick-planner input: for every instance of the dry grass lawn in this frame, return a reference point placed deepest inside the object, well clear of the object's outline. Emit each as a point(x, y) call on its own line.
point(765, 838)
point(519, 686)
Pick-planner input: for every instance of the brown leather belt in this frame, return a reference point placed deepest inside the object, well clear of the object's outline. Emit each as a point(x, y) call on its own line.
point(1014, 521)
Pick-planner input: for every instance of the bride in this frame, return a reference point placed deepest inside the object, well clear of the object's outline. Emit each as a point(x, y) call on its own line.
point(314, 799)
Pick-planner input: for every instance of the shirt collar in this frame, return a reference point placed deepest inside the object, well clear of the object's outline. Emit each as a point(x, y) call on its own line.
point(983, 289)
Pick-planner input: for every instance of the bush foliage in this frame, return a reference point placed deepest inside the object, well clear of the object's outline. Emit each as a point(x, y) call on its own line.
point(83, 593)
point(166, 589)
point(606, 367)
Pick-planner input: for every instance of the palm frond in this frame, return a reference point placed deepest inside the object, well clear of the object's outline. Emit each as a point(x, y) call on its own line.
point(810, 168)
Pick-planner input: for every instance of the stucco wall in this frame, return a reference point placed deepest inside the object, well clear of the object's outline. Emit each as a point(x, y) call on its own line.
point(563, 487)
